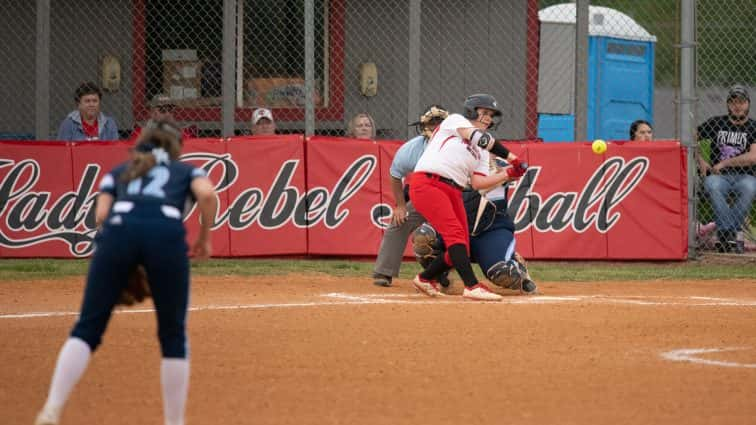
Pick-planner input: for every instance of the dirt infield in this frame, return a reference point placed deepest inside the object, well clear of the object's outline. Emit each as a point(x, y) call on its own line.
point(325, 350)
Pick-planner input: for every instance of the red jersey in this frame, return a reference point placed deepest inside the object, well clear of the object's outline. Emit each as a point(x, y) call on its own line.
point(91, 131)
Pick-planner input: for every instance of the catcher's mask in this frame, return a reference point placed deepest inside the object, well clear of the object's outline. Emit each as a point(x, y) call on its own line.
point(481, 100)
point(426, 244)
point(430, 119)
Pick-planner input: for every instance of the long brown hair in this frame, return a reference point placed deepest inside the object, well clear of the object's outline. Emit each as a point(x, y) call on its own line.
point(159, 138)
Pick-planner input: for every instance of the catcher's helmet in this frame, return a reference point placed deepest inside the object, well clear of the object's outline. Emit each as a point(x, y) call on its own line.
point(426, 244)
point(480, 100)
point(431, 118)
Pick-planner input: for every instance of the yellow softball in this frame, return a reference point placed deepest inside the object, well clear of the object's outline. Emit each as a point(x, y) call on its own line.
point(598, 146)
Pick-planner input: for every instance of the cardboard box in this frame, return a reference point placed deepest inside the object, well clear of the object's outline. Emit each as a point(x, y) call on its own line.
point(277, 93)
point(182, 74)
point(179, 55)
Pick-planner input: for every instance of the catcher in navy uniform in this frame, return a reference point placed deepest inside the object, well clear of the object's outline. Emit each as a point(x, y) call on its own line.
point(492, 241)
point(140, 209)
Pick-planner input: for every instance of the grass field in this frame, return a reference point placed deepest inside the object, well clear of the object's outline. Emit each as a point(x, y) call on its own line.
point(552, 271)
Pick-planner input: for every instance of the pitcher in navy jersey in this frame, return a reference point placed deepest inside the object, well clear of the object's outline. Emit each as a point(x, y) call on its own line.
point(140, 209)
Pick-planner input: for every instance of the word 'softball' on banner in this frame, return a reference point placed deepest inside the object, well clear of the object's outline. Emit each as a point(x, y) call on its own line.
point(654, 214)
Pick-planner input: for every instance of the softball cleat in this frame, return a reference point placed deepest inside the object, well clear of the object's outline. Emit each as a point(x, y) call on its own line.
point(480, 292)
point(427, 287)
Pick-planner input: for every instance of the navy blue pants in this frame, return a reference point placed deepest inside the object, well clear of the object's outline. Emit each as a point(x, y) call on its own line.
point(492, 246)
point(496, 241)
point(145, 237)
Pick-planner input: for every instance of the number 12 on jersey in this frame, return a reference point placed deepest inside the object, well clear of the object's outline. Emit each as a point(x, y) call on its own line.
point(157, 177)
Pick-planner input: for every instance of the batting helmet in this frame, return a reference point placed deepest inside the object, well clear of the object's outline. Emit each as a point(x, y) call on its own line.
point(480, 100)
point(431, 118)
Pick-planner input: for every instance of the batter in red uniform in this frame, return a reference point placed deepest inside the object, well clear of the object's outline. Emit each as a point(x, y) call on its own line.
point(457, 156)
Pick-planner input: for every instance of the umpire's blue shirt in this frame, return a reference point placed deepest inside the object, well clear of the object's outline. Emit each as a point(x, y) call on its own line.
point(407, 156)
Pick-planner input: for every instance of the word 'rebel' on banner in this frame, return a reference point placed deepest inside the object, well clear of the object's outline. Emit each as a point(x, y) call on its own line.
point(344, 188)
point(210, 155)
point(265, 178)
point(282, 195)
point(382, 214)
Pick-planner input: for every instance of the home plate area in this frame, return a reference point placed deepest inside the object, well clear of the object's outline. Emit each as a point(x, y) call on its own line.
point(639, 300)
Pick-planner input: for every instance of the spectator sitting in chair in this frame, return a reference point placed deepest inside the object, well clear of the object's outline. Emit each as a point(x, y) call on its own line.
point(732, 166)
point(641, 131)
point(262, 122)
point(161, 109)
point(87, 122)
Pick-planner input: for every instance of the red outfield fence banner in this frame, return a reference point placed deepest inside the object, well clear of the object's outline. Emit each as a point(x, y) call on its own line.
point(287, 195)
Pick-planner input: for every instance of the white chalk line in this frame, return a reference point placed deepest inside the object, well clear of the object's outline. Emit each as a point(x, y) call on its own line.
point(691, 355)
point(340, 299)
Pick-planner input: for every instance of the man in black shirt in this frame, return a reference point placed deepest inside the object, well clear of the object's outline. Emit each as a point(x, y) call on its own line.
point(732, 166)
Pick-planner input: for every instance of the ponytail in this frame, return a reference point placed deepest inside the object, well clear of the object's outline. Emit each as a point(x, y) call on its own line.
point(159, 143)
point(141, 163)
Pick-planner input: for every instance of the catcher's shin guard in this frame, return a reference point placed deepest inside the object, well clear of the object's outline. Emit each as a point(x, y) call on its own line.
point(523, 265)
point(507, 274)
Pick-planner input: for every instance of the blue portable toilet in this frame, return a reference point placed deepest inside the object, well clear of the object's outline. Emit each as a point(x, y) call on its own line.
point(620, 74)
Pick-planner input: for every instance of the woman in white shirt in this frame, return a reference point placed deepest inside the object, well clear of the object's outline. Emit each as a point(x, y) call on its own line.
point(457, 156)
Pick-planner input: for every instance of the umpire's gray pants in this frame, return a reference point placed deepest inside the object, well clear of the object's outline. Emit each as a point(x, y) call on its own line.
point(394, 241)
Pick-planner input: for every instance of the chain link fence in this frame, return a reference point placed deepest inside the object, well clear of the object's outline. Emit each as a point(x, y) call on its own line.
point(212, 63)
point(631, 71)
point(389, 59)
point(726, 57)
point(17, 88)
